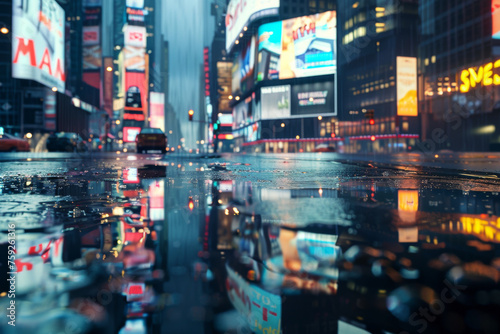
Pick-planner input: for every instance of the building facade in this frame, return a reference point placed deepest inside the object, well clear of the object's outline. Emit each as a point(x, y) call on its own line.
point(283, 75)
point(458, 60)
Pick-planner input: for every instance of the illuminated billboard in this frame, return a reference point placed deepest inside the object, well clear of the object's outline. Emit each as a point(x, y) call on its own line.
point(407, 86)
point(240, 13)
point(260, 308)
point(92, 51)
point(224, 81)
point(136, 79)
point(135, 36)
point(107, 96)
point(495, 18)
point(314, 99)
point(135, 3)
point(275, 102)
point(38, 30)
point(129, 134)
point(299, 47)
point(241, 115)
point(157, 110)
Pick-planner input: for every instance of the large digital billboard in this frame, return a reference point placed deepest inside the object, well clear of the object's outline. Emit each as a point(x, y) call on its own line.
point(157, 110)
point(495, 18)
point(38, 29)
point(407, 86)
point(92, 50)
point(240, 13)
point(313, 99)
point(299, 47)
point(275, 102)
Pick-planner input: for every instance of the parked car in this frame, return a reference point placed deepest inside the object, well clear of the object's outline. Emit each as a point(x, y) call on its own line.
point(9, 143)
point(150, 139)
point(324, 148)
point(66, 142)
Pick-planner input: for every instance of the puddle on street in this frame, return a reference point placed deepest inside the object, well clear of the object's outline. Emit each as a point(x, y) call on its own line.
point(150, 246)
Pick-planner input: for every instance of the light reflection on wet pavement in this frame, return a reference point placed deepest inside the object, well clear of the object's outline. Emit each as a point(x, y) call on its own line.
point(247, 244)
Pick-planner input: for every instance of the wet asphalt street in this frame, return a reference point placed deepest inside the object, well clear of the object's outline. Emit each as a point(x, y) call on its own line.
point(239, 244)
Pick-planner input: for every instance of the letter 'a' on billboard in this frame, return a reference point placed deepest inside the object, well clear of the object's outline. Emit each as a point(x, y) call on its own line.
point(407, 86)
point(38, 42)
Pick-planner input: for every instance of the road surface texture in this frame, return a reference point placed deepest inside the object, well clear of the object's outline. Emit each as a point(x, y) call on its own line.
point(312, 243)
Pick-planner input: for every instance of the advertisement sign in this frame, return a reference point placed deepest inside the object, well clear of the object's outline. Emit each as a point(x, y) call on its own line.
point(108, 86)
point(241, 115)
point(236, 78)
point(482, 76)
point(260, 308)
point(156, 200)
point(135, 36)
point(275, 102)
point(134, 59)
point(135, 3)
point(299, 47)
point(92, 50)
point(240, 13)
point(92, 16)
point(206, 68)
point(313, 99)
point(495, 18)
point(49, 109)
point(38, 35)
point(157, 110)
point(407, 86)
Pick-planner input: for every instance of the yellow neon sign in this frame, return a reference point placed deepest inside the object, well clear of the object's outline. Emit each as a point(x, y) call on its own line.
point(484, 76)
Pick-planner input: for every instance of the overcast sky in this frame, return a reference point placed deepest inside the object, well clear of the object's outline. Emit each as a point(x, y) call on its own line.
point(188, 27)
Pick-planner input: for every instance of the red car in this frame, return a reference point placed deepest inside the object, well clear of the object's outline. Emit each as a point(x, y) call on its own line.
point(10, 143)
point(151, 139)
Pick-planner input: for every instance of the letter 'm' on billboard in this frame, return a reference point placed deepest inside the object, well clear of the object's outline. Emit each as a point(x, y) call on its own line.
point(38, 42)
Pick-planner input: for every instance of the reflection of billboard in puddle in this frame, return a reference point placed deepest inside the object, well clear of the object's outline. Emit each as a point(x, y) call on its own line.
point(275, 102)
point(260, 308)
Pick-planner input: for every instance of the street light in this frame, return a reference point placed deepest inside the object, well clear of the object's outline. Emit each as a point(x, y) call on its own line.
point(4, 30)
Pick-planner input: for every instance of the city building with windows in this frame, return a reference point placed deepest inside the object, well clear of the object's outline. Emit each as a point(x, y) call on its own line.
point(459, 55)
point(378, 44)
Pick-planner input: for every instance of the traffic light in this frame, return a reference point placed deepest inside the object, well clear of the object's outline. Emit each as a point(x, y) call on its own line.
point(191, 113)
point(191, 203)
point(370, 114)
point(216, 126)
